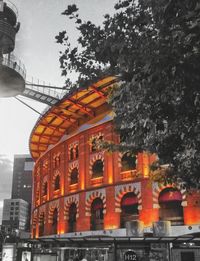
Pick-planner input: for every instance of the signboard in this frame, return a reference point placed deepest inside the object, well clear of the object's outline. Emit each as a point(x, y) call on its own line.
point(130, 255)
point(8, 252)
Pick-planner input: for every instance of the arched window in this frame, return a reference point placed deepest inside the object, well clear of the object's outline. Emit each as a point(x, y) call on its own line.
point(45, 188)
point(71, 154)
point(57, 182)
point(129, 208)
point(57, 161)
point(97, 216)
point(55, 221)
point(97, 169)
point(41, 225)
point(170, 200)
point(76, 151)
point(128, 162)
point(74, 176)
point(93, 145)
point(72, 218)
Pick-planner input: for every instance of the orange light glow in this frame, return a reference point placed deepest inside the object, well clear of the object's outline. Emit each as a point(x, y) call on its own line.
point(62, 190)
point(110, 179)
point(146, 164)
point(73, 187)
point(111, 227)
point(110, 171)
point(82, 180)
point(62, 231)
point(82, 184)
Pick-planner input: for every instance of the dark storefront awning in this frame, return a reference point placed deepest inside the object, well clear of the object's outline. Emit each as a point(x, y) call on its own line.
point(100, 239)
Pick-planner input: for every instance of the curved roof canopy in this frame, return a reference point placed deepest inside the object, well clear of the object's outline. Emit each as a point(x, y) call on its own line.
point(68, 114)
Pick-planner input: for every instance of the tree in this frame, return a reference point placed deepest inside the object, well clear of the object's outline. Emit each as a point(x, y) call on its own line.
point(154, 46)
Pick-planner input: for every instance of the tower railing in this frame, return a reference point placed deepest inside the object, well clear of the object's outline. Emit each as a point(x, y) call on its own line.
point(12, 7)
point(12, 62)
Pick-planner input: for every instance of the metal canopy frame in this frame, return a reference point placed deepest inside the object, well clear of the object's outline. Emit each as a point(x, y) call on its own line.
point(101, 239)
point(67, 114)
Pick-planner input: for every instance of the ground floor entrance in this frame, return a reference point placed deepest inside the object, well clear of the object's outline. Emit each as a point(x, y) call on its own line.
point(116, 249)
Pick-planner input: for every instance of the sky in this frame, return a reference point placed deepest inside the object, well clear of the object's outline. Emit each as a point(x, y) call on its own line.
point(40, 21)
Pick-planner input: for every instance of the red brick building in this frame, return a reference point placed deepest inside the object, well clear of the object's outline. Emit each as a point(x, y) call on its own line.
point(78, 187)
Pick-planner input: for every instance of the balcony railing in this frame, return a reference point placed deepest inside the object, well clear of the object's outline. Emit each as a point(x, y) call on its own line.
point(128, 175)
point(12, 7)
point(97, 181)
point(73, 187)
point(12, 62)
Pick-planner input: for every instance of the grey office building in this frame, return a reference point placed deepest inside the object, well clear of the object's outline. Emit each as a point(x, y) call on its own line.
point(16, 211)
point(22, 177)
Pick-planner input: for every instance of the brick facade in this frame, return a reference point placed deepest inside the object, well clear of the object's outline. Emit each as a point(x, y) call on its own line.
point(60, 160)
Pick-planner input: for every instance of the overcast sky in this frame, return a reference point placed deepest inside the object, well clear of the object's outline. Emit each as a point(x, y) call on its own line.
point(41, 20)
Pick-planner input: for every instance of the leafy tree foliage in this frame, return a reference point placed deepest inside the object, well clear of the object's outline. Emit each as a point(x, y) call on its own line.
point(154, 48)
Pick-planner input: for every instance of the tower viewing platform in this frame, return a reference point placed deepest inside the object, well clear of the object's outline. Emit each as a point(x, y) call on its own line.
point(12, 72)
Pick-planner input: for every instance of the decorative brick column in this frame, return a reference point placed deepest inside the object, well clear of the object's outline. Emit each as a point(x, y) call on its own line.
point(148, 213)
point(83, 221)
point(111, 217)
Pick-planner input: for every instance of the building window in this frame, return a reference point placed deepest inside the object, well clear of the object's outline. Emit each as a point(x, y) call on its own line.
point(72, 218)
point(57, 182)
point(45, 188)
point(74, 176)
point(93, 145)
point(41, 225)
point(97, 169)
point(129, 208)
point(56, 161)
point(97, 216)
point(128, 162)
point(76, 151)
point(170, 200)
point(55, 221)
point(96, 142)
point(73, 152)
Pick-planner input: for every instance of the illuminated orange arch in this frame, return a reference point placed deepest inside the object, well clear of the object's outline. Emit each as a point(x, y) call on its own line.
point(42, 211)
point(73, 165)
point(124, 190)
point(68, 202)
point(120, 155)
point(52, 207)
point(94, 194)
point(95, 157)
point(41, 218)
point(55, 174)
point(35, 219)
point(161, 187)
